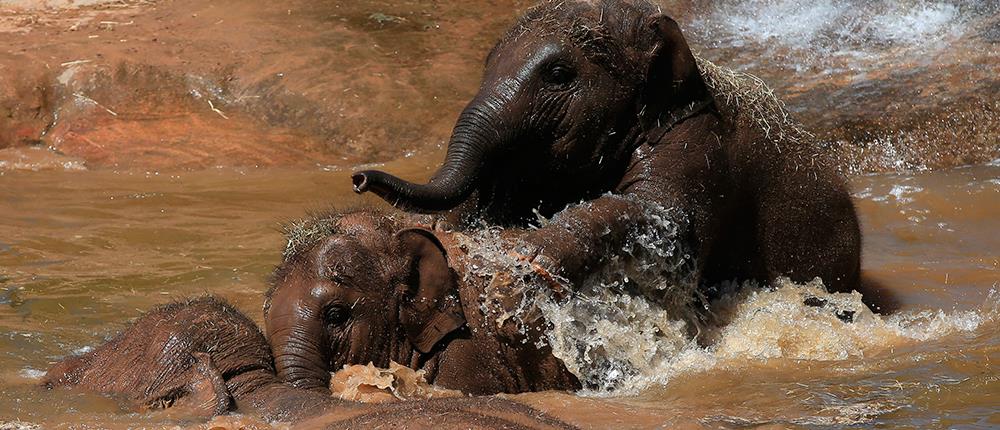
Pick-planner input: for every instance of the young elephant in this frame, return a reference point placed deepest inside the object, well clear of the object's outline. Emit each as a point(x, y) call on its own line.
point(602, 101)
point(205, 358)
point(200, 355)
point(360, 287)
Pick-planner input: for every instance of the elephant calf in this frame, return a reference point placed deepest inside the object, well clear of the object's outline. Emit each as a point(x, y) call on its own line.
point(361, 287)
point(594, 100)
point(201, 355)
point(204, 358)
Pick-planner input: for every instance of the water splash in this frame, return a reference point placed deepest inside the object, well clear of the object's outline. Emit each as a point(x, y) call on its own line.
point(632, 312)
point(639, 321)
point(649, 348)
point(29, 373)
point(777, 323)
point(819, 31)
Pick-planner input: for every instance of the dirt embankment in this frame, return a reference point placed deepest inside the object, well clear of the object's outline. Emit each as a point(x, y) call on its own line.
point(195, 84)
point(135, 84)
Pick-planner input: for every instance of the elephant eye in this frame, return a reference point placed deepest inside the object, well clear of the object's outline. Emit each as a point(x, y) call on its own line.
point(335, 315)
point(559, 75)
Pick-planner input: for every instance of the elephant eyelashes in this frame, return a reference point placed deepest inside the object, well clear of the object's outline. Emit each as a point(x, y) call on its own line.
point(559, 75)
point(335, 315)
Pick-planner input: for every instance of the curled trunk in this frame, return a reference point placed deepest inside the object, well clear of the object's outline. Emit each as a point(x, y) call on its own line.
point(474, 138)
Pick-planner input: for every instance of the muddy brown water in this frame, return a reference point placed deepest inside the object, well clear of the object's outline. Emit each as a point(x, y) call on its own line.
point(105, 216)
point(82, 253)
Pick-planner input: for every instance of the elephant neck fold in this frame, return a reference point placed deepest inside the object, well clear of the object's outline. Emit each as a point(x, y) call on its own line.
point(693, 109)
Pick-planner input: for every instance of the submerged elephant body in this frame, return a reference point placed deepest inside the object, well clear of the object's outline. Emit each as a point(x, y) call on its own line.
point(361, 287)
point(205, 358)
point(200, 355)
point(597, 100)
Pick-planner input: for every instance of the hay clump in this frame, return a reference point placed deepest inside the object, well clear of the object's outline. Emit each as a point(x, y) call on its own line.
point(303, 233)
point(748, 101)
point(367, 223)
point(369, 226)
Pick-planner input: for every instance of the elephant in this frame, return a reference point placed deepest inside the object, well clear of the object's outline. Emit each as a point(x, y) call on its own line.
point(202, 357)
point(603, 102)
point(364, 286)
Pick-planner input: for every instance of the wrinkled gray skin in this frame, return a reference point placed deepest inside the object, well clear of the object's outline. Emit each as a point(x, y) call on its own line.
point(602, 101)
point(203, 358)
point(371, 290)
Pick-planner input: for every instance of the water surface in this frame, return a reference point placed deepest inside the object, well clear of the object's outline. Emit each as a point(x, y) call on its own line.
point(101, 247)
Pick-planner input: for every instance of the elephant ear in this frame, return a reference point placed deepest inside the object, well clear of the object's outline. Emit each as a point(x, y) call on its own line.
point(433, 309)
point(673, 81)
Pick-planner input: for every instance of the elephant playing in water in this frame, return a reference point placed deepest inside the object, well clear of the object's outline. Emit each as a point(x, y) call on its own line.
point(361, 287)
point(203, 358)
point(355, 287)
point(201, 355)
point(603, 102)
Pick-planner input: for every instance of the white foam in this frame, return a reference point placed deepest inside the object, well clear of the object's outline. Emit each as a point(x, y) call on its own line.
point(18, 425)
point(904, 193)
point(816, 32)
point(773, 324)
point(764, 325)
point(788, 21)
point(633, 324)
point(29, 373)
point(917, 24)
point(83, 350)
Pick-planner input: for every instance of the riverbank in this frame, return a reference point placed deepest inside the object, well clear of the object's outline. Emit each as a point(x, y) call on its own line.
point(140, 85)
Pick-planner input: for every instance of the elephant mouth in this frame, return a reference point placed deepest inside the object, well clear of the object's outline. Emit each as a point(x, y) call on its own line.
point(360, 181)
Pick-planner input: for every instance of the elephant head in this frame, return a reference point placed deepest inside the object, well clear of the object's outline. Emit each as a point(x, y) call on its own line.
point(567, 95)
point(358, 290)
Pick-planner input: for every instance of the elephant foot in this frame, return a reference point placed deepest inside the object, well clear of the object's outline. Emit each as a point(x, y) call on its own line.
point(204, 395)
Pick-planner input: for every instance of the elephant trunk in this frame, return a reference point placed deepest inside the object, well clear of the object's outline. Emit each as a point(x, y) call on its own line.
point(476, 135)
point(298, 359)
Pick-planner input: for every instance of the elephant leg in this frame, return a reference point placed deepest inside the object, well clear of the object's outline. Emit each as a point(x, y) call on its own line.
point(579, 237)
point(810, 230)
point(204, 394)
point(817, 235)
point(689, 181)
